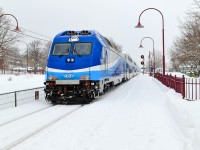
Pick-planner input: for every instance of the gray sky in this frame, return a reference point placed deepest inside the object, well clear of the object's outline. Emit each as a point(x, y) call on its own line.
point(112, 18)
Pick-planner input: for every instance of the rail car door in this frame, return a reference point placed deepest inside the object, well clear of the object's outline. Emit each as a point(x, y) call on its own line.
point(104, 62)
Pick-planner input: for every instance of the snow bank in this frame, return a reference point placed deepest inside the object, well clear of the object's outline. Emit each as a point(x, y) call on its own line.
point(186, 114)
point(178, 74)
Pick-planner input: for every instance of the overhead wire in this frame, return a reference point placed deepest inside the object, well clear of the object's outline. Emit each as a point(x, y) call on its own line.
point(26, 35)
point(33, 32)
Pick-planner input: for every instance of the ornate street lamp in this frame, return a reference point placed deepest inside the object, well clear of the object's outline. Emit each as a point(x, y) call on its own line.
point(17, 27)
point(153, 51)
point(139, 25)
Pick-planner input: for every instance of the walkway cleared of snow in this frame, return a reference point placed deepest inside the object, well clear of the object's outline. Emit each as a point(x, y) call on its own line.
point(131, 116)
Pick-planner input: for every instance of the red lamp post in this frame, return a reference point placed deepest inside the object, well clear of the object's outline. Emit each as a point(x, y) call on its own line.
point(154, 66)
point(163, 41)
point(17, 27)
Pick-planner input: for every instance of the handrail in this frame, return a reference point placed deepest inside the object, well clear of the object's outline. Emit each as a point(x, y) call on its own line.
point(21, 91)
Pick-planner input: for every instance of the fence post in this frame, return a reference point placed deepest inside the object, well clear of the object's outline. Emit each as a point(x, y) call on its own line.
point(183, 87)
point(175, 83)
point(15, 99)
point(192, 89)
point(196, 88)
point(36, 95)
point(163, 79)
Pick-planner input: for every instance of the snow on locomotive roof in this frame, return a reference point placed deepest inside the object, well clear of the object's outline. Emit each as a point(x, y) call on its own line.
point(69, 34)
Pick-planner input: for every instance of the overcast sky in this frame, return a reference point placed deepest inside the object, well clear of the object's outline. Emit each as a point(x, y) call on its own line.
point(111, 18)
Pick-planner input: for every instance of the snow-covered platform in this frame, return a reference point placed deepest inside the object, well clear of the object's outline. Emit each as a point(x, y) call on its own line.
point(140, 114)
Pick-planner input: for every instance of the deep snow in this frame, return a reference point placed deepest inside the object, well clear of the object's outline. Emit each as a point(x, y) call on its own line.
point(140, 114)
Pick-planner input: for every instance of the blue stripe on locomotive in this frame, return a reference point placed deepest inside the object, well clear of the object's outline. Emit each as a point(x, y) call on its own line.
point(69, 71)
point(116, 70)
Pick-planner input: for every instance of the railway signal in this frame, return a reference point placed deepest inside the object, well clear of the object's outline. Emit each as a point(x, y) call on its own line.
point(142, 62)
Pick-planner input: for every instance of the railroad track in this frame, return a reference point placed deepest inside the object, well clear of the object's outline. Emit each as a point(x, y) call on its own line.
point(36, 131)
point(21, 117)
point(26, 136)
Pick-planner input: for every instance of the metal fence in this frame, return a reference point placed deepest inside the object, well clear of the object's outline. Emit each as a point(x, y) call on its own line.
point(192, 88)
point(188, 87)
point(19, 72)
point(13, 99)
point(178, 84)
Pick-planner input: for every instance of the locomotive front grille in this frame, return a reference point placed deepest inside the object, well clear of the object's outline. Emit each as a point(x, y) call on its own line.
point(67, 82)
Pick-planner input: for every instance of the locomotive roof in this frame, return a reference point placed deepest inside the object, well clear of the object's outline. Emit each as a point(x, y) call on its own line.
point(87, 33)
point(64, 33)
point(69, 33)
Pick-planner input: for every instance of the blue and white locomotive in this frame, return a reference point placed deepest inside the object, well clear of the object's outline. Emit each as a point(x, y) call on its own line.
point(82, 65)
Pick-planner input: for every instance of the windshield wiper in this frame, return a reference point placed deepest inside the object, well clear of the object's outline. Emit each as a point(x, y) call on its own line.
point(77, 53)
point(62, 54)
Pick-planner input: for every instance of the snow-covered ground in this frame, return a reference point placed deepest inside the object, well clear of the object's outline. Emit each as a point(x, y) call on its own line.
point(10, 83)
point(140, 114)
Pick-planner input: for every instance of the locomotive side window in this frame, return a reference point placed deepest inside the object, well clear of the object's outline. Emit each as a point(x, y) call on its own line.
point(82, 49)
point(61, 49)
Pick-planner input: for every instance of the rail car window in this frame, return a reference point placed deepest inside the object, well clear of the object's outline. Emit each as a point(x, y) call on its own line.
point(82, 49)
point(61, 49)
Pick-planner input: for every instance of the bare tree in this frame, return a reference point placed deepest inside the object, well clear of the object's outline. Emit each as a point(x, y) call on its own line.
point(45, 53)
point(7, 39)
point(174, 62)
point(158, 59)
point(114, 45)
point(35, 51)
point(186, 48)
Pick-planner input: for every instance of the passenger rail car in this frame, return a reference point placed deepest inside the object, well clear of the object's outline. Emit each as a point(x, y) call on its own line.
point(131, 67)
point(81, 66)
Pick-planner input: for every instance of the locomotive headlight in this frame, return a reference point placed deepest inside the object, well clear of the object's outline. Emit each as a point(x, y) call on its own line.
point(72, 59)
point(87, 77)
point(50, 77)
point(68, 59)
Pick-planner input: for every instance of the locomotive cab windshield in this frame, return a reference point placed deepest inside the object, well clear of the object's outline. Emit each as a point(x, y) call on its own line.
point(61, 49)
point(82, 49)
